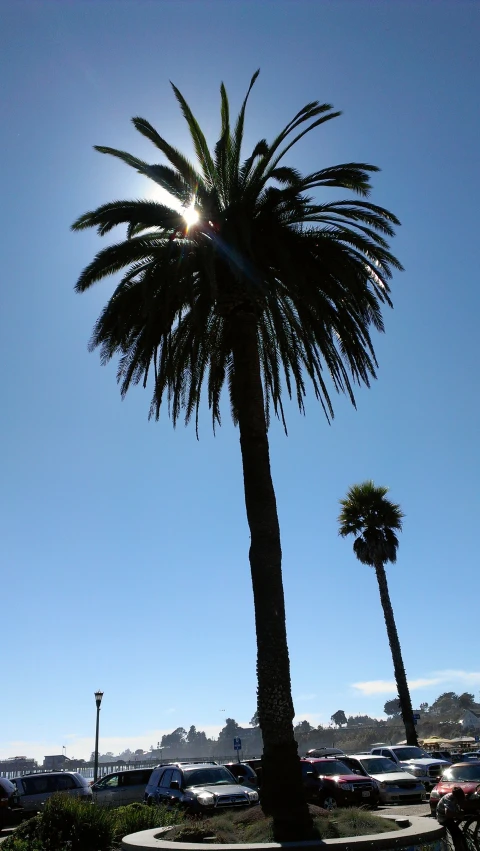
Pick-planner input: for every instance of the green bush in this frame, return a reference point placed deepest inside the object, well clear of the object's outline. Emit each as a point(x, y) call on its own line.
point(70, 824)
point(25, 837)
point(135, 817)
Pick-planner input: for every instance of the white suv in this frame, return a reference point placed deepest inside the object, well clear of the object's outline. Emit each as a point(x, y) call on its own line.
point(414, 760)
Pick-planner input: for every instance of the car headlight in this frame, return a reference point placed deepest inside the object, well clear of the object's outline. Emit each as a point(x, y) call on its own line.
point(347, 787)
point(252, 796)
point(206, 799)
point(382, 784)
point(418, 772)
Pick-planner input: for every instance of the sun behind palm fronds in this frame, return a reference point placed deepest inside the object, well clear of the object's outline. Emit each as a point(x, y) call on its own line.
point(248, 233)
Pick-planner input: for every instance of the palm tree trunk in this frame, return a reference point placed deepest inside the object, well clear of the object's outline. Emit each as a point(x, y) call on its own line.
point(399, 668)
point(282, 794)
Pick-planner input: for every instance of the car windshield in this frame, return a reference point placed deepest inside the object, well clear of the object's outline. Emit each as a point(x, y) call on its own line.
point(332, 766)
point(380, 766)
point(217, 776)
point(410, 753)
point(463, 772)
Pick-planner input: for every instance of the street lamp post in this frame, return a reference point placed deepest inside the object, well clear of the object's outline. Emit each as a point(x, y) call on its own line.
point(98, 700)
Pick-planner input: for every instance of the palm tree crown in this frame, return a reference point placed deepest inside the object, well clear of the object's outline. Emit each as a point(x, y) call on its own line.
point(314, 274)
point(367, 512)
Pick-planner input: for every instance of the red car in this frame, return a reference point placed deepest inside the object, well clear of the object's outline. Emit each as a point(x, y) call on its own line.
point(330, 784)
point(463, 774)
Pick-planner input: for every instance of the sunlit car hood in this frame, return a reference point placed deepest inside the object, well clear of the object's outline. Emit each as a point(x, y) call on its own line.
point(393, 777)
point(424, 761)
point(349, 778)
point(230, 789)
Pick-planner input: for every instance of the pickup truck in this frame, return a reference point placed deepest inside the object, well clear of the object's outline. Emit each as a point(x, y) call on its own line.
point(414, 760)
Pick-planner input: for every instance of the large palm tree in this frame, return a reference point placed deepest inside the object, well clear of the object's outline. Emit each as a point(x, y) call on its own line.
point(375, 520)
point(267, 288)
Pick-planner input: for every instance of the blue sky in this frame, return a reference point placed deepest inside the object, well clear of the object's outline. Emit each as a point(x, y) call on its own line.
point(124, 543)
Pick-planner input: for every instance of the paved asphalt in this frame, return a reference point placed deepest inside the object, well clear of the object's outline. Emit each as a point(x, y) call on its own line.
point(407, 810)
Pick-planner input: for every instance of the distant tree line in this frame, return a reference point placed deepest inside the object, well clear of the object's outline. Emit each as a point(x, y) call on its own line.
point(442, 717)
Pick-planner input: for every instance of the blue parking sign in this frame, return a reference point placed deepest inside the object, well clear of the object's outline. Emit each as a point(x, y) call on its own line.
point(237, 743)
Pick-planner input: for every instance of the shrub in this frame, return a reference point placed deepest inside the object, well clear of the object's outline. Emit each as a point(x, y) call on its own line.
point(25, 837)
point(135, 817)
point(70, 824)
point(81, 824)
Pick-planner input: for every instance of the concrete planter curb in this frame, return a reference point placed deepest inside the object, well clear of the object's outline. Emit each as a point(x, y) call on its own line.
point(422, 834)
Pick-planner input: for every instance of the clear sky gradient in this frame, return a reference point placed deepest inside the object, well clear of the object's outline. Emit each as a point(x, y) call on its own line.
point(124, 543)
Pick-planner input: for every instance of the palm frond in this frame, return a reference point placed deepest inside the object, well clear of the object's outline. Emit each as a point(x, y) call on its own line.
point(146, 214)
point(175, 157)
point(134, 162)
point(199, 141)
point(240, 123)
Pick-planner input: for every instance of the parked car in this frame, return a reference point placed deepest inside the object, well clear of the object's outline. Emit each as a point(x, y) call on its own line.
point(122, 787)
point(471, 756)
point(8, 802)
point(396, 785)
point(463, 774)
point(199, 787)
point(329, 783)
point(414, 760)
point(34, 789)
point(445, 755)
point(256, 765)
point(243, 773)
point(321, 752)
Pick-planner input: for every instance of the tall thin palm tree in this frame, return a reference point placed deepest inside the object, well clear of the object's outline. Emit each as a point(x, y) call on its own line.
point(245, 279)
point(375, 520)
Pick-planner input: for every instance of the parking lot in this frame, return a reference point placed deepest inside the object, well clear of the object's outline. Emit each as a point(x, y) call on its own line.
point(422, 809)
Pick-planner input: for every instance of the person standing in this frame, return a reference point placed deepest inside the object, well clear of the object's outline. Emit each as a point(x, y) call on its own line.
point(450, 810)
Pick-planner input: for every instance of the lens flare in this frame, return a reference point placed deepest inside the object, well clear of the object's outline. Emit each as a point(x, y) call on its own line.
point(190, 215)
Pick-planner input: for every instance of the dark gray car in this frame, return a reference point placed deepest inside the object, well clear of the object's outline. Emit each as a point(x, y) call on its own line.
point(34, 789)
point(121, 787)
point(198, 787)
point(8, 801)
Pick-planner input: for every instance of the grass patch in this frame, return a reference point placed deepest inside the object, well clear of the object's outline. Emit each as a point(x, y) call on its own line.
point(354, 822)
point(252, 826)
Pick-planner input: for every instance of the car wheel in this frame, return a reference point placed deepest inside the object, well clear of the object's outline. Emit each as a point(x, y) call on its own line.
point(328, 802)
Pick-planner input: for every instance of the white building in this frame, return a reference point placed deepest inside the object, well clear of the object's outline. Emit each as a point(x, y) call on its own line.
point(471, 719)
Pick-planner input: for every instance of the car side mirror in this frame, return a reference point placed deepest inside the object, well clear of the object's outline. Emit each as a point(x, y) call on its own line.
point(240, 778)
point(174, 784)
